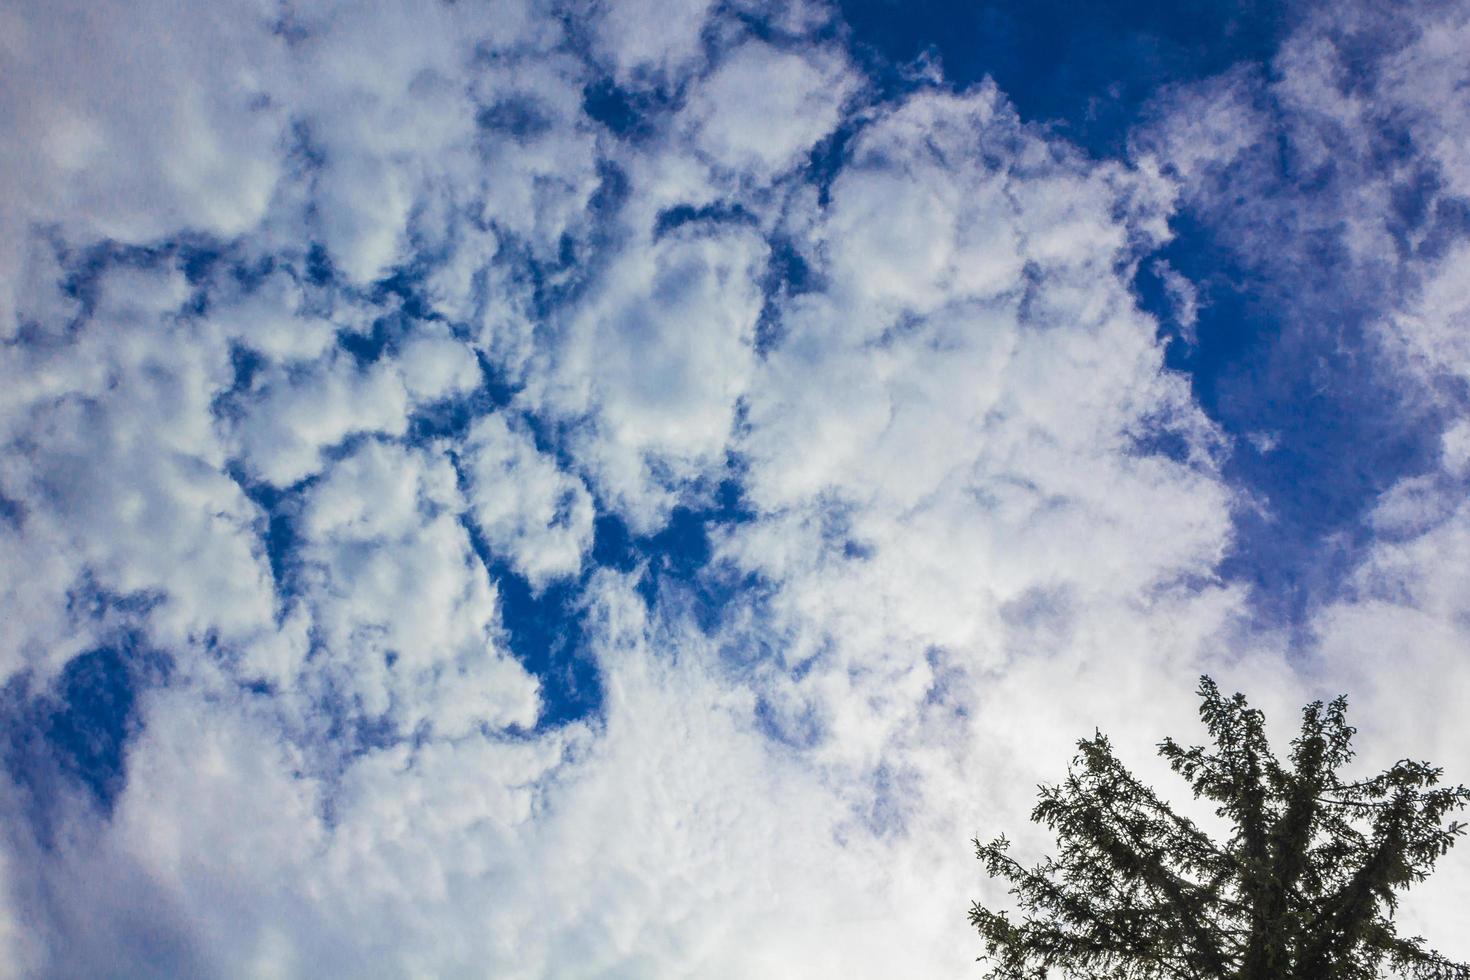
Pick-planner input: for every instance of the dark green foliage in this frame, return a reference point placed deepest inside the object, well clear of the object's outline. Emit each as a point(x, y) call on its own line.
point(1305, 887)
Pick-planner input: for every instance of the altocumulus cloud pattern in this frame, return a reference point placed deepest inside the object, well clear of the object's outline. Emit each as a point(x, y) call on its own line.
point(629, 489)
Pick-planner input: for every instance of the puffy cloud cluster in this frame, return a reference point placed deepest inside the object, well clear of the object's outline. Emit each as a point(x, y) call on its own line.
point(946, 445)
point(527, 508)
point(116, 475)
point(353, 322)
point(167, 126)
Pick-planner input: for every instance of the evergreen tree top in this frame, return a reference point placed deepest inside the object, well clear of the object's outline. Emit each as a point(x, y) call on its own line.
point(1305, 887)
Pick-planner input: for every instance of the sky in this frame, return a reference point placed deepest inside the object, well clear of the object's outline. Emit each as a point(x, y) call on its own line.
point(571, 489)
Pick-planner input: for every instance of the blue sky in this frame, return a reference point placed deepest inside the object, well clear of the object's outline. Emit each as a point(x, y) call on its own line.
point(573, 489)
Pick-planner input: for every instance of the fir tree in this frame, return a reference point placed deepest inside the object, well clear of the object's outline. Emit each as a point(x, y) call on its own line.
point(1305, 887)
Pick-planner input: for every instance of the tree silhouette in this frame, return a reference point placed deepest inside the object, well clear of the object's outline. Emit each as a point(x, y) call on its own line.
point(1304, 888)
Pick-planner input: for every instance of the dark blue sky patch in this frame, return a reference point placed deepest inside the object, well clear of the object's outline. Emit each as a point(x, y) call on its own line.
point(605, 207)
point(245, 366)
point(682, 547)
point(787, 274)
point(544, 631)
point(319, 268)
point(366, 348)
point(198, 258)
point(451, 418)
point(677, 557)
point(281, 507)
point(518, 117)
point(546, 634)
point(612, 544)
point(1160, 439)
point(626, 114)
point(71, 738)
point(1153, 297)
point(402, 290)
point(613, 189)
point(12, 512)
point(680, 575)
point(788, 268)
point(718, 213)
point(827, 158)
point(1320, 426)
point(1087, 68)
point(673, 557)
point(406, 284)
point(92, 719)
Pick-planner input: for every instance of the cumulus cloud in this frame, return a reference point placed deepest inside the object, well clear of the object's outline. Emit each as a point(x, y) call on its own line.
point(403, 608)
point(650, 42)
point(762, 108)
point(647, 369)
point(116, 469)
point(435, 365)
point(525, 505)
point(167, 126)
point(943, 457)
point(293, 417)
point(363, 345)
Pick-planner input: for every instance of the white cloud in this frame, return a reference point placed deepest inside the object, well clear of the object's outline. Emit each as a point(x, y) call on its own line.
point(292, 416)
point(1430, 333)
point(166, 125)
point(1423, 81)
point(116, 463)
point(1183, 299)
point(527, 508)
point(908, 233)
point(954, 525)
point(273, 318)
point(970, 425)
point(403, 609)
point(20, 948)
point(385, 102)
point(763, 108)
point(650, 42)
point(653, 850)
point(1396, 645)
point(656, 360)
point(435, 366)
